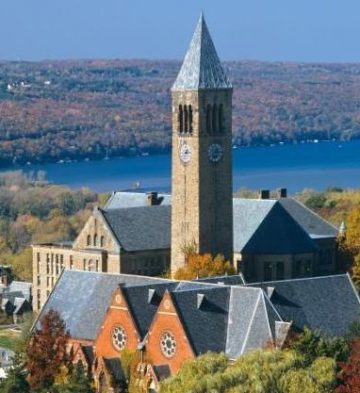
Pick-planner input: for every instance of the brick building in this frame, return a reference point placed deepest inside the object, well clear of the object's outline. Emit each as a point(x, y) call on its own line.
point(171, 321)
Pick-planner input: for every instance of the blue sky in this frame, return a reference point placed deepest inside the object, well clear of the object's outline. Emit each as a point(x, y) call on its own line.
point(281, 30)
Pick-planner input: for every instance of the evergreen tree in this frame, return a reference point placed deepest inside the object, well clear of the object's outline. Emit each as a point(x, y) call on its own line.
point(79, 381)
point(16, 379)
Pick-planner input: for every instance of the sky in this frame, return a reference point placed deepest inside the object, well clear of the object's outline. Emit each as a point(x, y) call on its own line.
point(270, 30)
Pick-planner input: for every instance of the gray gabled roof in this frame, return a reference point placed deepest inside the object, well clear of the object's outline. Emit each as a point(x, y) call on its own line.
point(254, 223)
point(82, 298)
point(279, 233)
point(311, 222)
point(201, 68)
point(329, 304)
point(140, 228)
point(206, 326)
point(125, 199)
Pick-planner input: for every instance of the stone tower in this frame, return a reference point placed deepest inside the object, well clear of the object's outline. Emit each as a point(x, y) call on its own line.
point(201, 153)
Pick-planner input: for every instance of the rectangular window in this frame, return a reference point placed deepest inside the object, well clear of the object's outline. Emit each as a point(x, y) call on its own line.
point(71, 262)
point(47, 293)
point(38, 262)
point(61, 262)
point(38, 280)
point(280, 271)
point(47, 267)
point(97, 265)
point(39, 299)
point(52, 282)
point(48, 281)
point(84, 264)
point(268, 271)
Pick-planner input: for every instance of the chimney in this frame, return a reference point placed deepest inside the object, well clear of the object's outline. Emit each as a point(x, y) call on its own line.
point(264, 194)
point(282, 193)
point(152, 198)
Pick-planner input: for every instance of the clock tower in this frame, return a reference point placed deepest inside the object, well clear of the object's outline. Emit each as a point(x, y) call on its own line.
point(202, 214)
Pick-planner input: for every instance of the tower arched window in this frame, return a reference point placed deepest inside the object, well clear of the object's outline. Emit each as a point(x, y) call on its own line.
point(208, 119)
point(95, 239)
point(221, 118)
point(88, 240)
point(214, 119)
point(181, 119)
point(190, 119)
point(186, 122)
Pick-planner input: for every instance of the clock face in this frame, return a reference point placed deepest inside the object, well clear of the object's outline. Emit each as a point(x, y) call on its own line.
point(185, 153)
point(215, 152)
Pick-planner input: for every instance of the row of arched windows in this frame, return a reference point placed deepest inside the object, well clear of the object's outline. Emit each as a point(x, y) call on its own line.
point(93, 241)
point(185, 119)
point(214, 118)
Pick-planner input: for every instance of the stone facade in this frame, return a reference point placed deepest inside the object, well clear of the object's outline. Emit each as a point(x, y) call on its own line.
point(201, 188)
point(95, 249)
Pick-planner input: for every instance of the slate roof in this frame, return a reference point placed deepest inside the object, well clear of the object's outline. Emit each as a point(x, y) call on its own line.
point(125, 199)
point(254, 223)
point(223, 280)
point(140, 228)
point(201, 68)
point(143, 308)
point(311, 222)
point(114, 366)
point(251, 321)
point(329, 304)
point(206, 326)
point(276, 232)
point(82, 299)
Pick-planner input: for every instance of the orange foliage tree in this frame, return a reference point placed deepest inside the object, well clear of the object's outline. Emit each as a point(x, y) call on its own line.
point(205, 265)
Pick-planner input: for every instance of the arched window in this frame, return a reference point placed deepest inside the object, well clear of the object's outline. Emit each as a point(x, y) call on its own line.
point(88, 240)
point(186, 125)
point(208, 119)
point(190, 119)
point(181, 119)
point(221, 118)
point(95, 240)
point(214, 119)
point(102, 241)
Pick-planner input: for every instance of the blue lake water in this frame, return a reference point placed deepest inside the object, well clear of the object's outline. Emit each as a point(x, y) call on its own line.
point(315, 165)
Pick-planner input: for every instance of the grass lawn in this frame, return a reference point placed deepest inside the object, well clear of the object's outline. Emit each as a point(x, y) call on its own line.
point(8, 338)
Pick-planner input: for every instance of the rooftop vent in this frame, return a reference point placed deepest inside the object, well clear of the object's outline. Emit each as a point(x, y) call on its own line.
point(200, 299)
point(151, 295)
point(264, 194)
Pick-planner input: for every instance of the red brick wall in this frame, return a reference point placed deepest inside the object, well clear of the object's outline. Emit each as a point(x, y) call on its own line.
point(117, 315)
point(167, 320)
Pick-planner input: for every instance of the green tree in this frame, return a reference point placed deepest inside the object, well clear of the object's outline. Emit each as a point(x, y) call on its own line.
point(16, 380)
point(79, 381)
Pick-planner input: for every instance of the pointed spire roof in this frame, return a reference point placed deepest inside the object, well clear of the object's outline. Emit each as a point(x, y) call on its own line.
point(201, 68)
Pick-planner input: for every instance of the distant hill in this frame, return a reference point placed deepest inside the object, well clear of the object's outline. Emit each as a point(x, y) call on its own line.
point(51, 111)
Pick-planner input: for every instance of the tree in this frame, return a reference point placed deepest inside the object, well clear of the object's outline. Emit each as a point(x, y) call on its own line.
point(79, 381)
point(46, 352)
point(312, 345)
point(272, 371)
point(205, 265)
point(16, 381)
point(349, 375)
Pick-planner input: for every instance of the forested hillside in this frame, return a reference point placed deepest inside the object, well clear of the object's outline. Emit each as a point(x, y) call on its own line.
point(52, 111)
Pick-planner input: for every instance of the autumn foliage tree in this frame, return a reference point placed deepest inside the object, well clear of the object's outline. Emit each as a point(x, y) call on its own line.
point(46, 352)
point(349, 375)
point(205, 265)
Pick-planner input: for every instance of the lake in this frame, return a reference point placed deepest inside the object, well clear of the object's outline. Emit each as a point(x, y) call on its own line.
point(295, 167)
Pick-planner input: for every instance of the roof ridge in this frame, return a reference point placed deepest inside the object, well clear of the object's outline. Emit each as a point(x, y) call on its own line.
point(296, 279)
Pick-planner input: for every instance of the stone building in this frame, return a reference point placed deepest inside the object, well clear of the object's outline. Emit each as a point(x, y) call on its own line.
point(267, 239)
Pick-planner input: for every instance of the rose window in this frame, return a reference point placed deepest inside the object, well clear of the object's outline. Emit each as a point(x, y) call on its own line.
point(119, 338)
point(168, 344)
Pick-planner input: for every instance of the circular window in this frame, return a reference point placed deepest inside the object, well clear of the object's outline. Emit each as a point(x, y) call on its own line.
point(119, 338)
point(168, 344)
